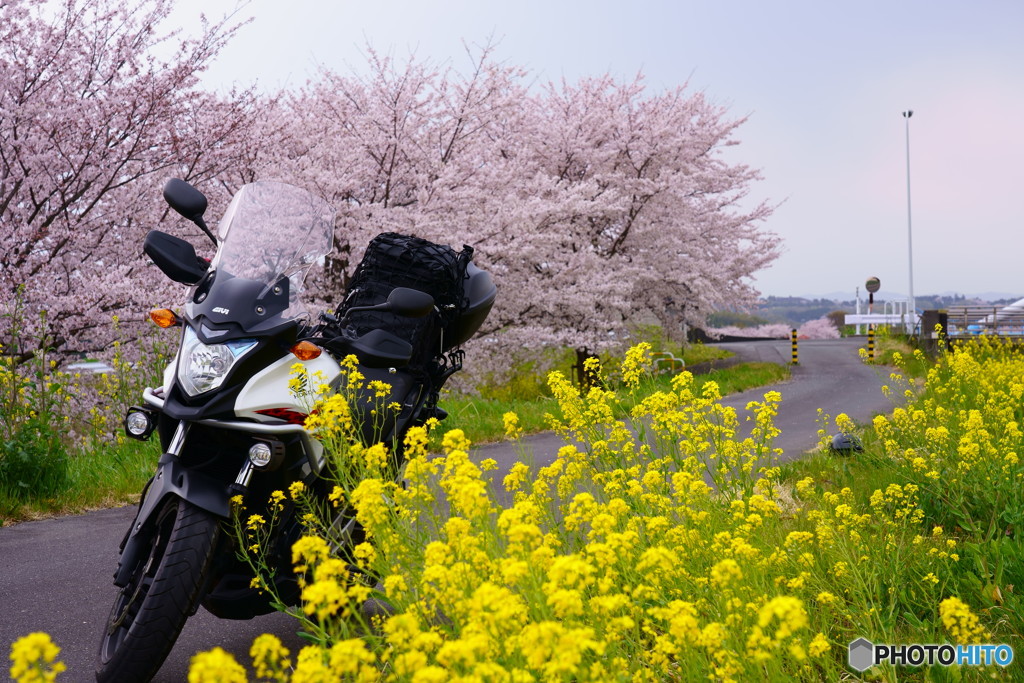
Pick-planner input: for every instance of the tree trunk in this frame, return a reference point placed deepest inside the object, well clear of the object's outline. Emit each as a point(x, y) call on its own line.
point(585, 380)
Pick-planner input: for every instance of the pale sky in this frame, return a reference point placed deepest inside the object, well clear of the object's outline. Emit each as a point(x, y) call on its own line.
point(823, 84)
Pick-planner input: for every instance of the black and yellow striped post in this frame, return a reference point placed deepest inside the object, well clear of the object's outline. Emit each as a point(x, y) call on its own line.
point(792, 337)
point(871, 342)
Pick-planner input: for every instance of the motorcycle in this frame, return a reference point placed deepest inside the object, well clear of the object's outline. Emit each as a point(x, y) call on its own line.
point(227, 421)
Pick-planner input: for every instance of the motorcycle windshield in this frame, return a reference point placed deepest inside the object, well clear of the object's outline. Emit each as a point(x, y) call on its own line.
point(271, 235)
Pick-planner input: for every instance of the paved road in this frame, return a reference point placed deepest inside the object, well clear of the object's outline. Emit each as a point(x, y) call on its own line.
point(55, 575)
point(830, 376)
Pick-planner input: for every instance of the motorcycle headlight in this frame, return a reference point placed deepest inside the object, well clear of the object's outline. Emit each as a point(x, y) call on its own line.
point(203, 367)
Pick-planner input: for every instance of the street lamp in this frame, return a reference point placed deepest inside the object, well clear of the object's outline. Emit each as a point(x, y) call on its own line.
point(910, 239)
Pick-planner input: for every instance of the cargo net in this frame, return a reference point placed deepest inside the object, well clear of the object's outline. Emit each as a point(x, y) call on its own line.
point(392, 260)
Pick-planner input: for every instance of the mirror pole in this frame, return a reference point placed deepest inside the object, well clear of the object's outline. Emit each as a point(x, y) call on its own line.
point(198, 220)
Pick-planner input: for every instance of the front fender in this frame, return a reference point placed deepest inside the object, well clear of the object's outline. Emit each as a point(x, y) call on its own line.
point(171, 479)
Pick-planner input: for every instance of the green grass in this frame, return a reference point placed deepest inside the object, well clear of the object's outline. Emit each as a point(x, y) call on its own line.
point(101, 477)
point(859, 471)
point(745, 376)
point(701, 353)
point(888, 345)
point(109, 474)
point(481, 418)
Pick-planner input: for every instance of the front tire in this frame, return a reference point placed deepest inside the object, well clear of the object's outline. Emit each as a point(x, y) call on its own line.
point(164, 589)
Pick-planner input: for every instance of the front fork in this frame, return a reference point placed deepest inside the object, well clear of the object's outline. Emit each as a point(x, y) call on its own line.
point(171, 478)
point(206, 492)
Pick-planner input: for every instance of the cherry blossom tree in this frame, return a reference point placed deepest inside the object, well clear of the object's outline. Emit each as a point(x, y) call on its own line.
point(92, 121)
point(597, 205)
point(821, 328)
point(645, 219)
point(407, 147)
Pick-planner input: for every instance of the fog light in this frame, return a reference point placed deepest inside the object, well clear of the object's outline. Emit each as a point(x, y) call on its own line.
point(260, 455)
point(139, 424)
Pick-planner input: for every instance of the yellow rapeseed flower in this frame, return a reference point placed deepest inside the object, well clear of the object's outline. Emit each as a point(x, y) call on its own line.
point(725, 572)
point(512, 428)
point(312, 666)
point(636, 362)
point(416, 440)
point(961, 623)
point(215, 666)
point(351, 658)
point(270, 658)
point(34, 659)
point(818, 646)
point(370, 503)
point(309, 550)
point(555, 650)
point(788, 611)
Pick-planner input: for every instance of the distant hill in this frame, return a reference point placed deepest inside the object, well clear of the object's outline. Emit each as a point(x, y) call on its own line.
point(985, 297)
point(795, 310)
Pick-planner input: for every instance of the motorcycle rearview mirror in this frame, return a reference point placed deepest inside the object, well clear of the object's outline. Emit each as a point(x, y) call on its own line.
point(411, 303)
point(403, 301)
point(187, 201)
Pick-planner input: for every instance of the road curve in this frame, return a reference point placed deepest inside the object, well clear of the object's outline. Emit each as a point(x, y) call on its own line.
point(830, 376)
point(55, 575)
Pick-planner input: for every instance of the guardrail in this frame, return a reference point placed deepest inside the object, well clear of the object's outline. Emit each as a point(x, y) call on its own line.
point(971, 321)
point(666, 362)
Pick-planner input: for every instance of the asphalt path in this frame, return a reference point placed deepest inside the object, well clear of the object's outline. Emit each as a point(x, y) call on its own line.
point(830, 376)
point(55, 575)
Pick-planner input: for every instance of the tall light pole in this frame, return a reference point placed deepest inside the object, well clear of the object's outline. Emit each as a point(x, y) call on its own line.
point(910, 238)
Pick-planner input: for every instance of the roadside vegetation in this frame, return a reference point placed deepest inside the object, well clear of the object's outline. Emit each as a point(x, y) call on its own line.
point(620, 562)
point(62, 447)
point(481, 415)
point(677, 551)
point(893, 349)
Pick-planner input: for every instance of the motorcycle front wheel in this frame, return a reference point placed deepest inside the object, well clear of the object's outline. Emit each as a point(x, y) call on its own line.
point(164, 589)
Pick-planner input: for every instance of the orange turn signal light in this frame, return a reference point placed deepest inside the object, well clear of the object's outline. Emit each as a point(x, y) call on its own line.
point(305, 350)
point(164, 317)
